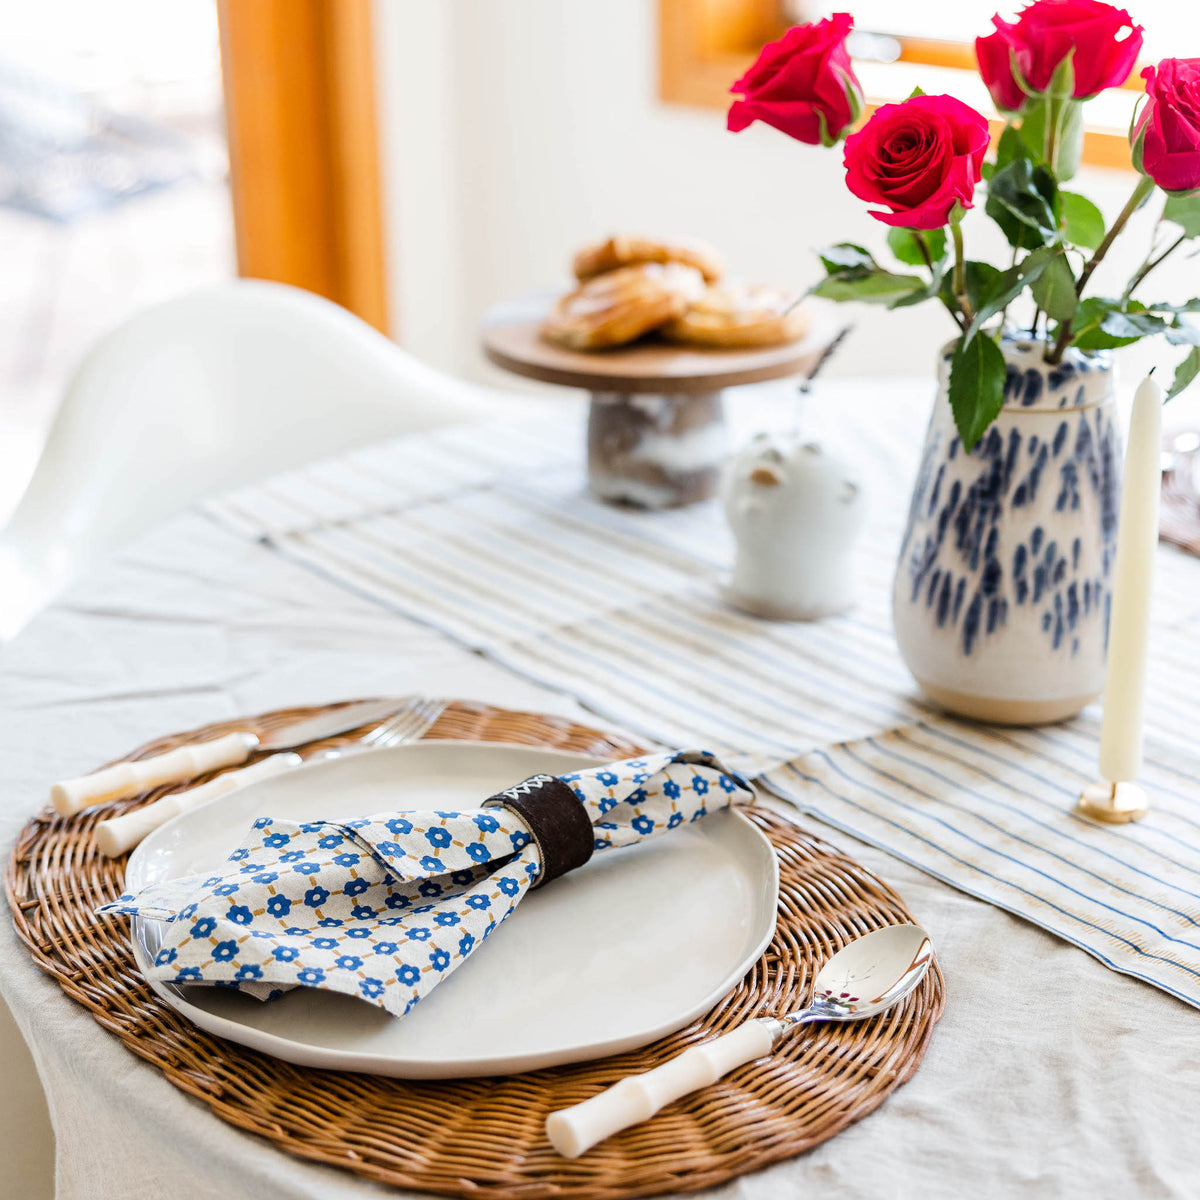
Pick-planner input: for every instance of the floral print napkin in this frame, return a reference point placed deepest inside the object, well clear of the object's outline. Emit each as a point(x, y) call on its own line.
point(386, 907)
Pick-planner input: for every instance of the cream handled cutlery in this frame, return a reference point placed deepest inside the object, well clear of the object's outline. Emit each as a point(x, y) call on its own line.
point(120, 834)
point(869, 975)
point(126, 779)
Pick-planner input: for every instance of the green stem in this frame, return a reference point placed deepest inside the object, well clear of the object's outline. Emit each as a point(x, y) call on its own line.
point(923, 246)
point(1151, 263)
point(1144, 187)
point(1149, 255)
point(959, 283)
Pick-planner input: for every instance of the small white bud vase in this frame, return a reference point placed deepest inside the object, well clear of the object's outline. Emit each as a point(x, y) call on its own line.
point(795, 511)
point(1002, 596)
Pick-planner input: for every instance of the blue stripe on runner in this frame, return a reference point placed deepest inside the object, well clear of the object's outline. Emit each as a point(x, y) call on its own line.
point(823, 682)
point(674, 698)
point(1069, 796)
point(1027, 866)
point(956, 882)
point(1087, 757)
point(1054, 831)
point(1093, 827)
point(988, 874)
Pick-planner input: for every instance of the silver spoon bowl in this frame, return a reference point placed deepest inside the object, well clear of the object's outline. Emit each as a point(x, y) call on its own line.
point(866, 977)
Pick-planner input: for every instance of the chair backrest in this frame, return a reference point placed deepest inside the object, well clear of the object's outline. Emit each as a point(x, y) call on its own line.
point(204, 393)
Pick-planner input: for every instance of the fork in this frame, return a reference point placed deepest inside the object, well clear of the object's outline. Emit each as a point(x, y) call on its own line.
point(117, 835)
point(408, 725)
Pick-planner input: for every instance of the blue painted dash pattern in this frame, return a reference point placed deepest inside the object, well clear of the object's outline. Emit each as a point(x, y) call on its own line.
point(1002, 594)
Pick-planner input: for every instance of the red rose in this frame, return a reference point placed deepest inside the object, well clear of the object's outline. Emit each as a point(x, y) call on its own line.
point(992, 53)
point(918, 159)
point(1166, 139)
point(1105, 40)
point(803, 84)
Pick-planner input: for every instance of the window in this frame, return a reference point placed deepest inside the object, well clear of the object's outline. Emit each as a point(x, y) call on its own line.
point(706, 44)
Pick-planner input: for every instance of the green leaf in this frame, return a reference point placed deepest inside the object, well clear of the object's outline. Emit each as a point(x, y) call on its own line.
point(976, 387)
point(1062, 82)
point(1054, 289)
point(1010, 146)
point(1006, 286)
point(980, 281)
point(1185, 372)
point(875, 287)
point(1131, 325)
point(1021, 201)
point(1087, 333)
point(1046, 186)
point(1033, 128)
point(1082, 221)
point(928, 292)
point(1192, 305)
point(916, 92)
point(1182, 333)
point(1184, 211)
point(823, 130)
point(903, 244)
point(847, 255)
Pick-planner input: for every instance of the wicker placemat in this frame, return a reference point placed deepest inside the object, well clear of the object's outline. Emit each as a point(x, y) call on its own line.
point(484, 1137)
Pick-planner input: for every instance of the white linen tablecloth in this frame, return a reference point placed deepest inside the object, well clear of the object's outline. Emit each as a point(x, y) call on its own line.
point(1049, 1075)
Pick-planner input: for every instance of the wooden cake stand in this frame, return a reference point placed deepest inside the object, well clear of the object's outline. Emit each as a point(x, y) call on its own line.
point(656, 428)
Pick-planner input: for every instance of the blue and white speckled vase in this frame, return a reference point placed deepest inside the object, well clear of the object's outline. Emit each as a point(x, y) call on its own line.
point(1002, 593)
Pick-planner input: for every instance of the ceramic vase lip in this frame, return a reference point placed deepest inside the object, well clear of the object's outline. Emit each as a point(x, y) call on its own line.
point(1084, 379)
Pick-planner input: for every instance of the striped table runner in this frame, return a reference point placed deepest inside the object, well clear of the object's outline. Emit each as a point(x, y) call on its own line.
point(486, 534)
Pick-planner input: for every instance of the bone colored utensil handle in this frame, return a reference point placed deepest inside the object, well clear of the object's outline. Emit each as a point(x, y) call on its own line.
point(573, 1131)
point(129, 778)
point(119, 834)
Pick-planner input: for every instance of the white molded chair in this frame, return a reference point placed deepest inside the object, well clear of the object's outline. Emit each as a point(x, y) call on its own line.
point(186, 399)
point(200, 394)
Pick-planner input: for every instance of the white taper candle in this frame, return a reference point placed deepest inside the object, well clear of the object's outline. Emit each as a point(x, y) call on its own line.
point(1133, 583)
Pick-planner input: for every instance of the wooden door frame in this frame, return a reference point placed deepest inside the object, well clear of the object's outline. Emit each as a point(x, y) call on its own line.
point(300, 105)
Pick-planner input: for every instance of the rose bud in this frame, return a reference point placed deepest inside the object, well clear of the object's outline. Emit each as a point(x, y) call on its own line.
point(803, 85)
point(1166, 137)
point(918, 159)
point(1105, 41)
point(992, 53)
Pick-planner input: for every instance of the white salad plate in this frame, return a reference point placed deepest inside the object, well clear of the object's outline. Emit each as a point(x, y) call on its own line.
point(629, 947)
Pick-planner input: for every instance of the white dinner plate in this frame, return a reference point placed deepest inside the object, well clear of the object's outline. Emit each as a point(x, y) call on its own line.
point(630, 947)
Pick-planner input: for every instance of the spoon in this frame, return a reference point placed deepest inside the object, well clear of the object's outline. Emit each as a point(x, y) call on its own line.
point(869, 975)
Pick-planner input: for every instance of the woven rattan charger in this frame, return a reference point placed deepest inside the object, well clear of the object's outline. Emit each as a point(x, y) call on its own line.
point(485, 1137)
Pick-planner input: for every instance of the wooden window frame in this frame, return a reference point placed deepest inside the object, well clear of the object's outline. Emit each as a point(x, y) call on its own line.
point(704, 45)
point(300, 106)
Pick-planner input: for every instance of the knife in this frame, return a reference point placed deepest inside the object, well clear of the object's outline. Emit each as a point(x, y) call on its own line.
point(126, 779)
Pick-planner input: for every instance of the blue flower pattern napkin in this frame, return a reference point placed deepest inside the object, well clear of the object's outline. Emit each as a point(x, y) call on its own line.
point(387, 906)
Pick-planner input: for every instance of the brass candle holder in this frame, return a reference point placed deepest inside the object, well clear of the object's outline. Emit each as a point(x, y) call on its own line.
point(1113, 803)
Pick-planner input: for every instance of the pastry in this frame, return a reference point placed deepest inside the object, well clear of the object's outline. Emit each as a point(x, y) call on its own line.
point(625, 250)
point(743, 316)
point(619, 306)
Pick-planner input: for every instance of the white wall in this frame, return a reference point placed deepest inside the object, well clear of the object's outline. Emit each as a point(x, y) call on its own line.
point(514, 130)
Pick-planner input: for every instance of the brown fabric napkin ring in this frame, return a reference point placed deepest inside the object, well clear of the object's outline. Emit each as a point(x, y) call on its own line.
point(557, 822)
